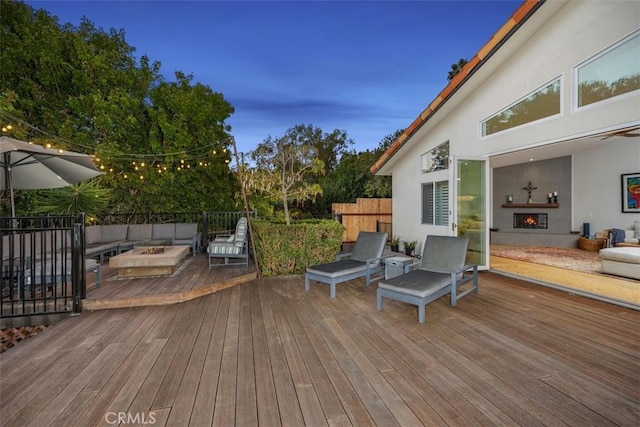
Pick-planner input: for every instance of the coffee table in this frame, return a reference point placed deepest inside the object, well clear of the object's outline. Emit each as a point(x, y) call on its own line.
point(148, 261)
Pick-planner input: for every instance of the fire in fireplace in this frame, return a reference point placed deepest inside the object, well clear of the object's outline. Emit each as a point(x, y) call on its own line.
point(530, 220)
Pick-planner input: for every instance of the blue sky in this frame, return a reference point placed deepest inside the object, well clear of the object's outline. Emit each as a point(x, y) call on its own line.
point(366, 67)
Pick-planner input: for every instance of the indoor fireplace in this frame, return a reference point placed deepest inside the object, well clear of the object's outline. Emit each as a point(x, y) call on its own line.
point(530, 220)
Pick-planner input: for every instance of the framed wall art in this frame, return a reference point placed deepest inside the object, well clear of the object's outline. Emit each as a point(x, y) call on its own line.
point(631, 192)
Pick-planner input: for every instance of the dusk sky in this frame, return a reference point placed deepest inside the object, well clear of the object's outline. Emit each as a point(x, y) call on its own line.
point(365, 67)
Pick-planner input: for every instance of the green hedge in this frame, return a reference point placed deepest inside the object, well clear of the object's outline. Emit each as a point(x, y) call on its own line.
point(288, 249)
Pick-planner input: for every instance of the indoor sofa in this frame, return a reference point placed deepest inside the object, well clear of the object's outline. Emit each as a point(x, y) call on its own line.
point(622, 261)
point(624, 238)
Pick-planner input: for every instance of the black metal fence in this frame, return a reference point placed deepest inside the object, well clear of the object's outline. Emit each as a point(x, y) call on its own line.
point(216, 223)
point(149, 218)
point(42, 265)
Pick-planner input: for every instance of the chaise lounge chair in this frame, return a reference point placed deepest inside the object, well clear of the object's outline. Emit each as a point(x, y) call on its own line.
point(233, 247)
point(365, 260)
point(441, 272)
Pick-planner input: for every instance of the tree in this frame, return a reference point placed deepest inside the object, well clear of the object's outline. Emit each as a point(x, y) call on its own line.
point(285, 169)
point(86, 196)
point(187, 147)
point(163, 145)
point(352, 177)
point(456, 68)
point(330, 147)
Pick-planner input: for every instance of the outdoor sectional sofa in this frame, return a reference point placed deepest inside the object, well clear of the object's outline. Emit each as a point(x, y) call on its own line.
point(104, 240)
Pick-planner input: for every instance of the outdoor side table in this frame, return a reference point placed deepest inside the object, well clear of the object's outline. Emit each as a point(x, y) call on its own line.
point(394, 266)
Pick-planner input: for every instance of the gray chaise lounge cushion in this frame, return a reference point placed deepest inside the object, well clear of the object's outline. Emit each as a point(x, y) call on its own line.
point(364, 260)
point(441, 272)
point(338, 268)
point(419, 284)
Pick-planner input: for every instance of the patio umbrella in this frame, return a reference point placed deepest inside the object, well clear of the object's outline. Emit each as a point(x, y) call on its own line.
point(27, 166)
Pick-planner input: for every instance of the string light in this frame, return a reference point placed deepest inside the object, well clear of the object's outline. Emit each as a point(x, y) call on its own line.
point(198, 157)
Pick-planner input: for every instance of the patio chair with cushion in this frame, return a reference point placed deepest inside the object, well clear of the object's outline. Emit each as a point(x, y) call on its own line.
point(442, 270)
point(364, 260)
point(235, 247)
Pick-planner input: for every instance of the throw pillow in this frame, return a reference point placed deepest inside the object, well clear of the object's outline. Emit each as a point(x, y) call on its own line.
point(636, 229)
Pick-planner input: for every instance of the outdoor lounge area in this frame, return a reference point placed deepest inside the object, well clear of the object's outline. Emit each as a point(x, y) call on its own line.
point(268, 352)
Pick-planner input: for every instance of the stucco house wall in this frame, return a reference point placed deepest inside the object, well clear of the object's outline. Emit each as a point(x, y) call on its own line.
point(557, 38)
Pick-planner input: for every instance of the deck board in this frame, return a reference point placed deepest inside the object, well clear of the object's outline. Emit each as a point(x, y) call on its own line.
point(266, 400)
point(224, 410)
point(288, 405)
point(268, 352)
point(208, 383)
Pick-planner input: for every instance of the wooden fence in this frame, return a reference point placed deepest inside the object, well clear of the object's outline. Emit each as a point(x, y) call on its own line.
point(363, 215)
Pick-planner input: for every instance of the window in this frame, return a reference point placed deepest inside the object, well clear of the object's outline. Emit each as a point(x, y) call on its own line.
point(612, 73)
point(435, 203)
point(436, 159)
point(544, 102)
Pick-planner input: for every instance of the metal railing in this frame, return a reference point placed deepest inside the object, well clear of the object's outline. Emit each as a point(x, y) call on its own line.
point(43, 257)
point(216, 223)
point(150, 218)
point(43, 269)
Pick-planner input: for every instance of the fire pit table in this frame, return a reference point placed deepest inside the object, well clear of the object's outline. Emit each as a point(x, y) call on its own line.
point(148, 261)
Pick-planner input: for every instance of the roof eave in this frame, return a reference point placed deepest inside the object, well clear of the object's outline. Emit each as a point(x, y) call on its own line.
point(514, 22)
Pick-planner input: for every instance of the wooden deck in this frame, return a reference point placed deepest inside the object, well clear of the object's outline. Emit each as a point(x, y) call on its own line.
point(268, 353)
point(192, 279)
